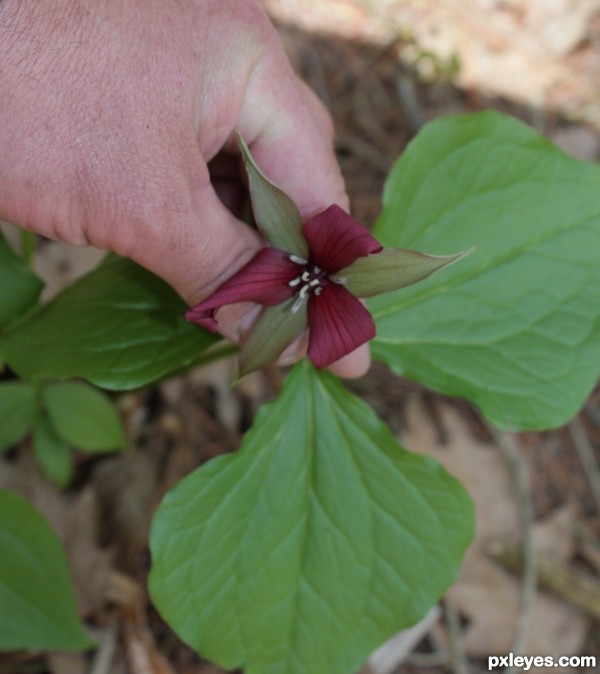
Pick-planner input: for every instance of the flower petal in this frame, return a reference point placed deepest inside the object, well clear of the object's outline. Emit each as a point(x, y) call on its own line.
point(276, 329)
point(392, 269)
point(265, 280)
point(338, 323)
point(336, 239)
point(276, 215)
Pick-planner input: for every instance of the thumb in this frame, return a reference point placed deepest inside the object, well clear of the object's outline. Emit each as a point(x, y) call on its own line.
point(290, 135)
point(197, 247)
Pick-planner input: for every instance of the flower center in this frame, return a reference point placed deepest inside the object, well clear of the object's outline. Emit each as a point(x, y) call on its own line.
point(310, 280)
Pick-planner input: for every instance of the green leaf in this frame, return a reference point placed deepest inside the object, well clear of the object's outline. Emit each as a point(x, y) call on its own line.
point(392, 269)
point(38, 605)
point(515, 327)
point(19, 286)
point(120, 326)
point(52, 453)
point(276, 329)
point(277, 216)
point(83, 417)
point(18, 409)
point(314, 543)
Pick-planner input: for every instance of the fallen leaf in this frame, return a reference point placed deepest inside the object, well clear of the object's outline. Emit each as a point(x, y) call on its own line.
point(485, 595)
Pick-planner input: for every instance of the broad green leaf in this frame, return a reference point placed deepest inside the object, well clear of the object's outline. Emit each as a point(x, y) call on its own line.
point(36, 599)
point(276, 215)
point(314, 543)
point(120, 326)
point(52, 453)
point(19, 286)
point(83, 417)
point(276, 329)
point(18, 409)
point(515, 327)
point(391, 269)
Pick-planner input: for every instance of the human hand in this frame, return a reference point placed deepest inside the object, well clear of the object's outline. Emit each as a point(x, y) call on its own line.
point(117, 121)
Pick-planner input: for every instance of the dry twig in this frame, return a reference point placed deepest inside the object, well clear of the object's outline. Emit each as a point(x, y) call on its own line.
point(587, 458)
point(457, 651)
point(579, 589)
point(508, 445)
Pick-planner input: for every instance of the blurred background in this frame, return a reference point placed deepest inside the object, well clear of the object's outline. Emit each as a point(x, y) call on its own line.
point(383, 68)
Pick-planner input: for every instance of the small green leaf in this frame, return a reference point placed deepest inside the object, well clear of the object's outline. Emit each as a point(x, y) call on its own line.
point(119, 326)
point(516, 327)
point(36, 598)
point(392, 269)
point(276, 329)
point(18, 409)
point(83, 417)
point(277, 216)
point(310, 546)
point(52, 453)
point(19, 286)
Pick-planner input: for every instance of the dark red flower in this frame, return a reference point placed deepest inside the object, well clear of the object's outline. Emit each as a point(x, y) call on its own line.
point(310, 276)
point(337, 321)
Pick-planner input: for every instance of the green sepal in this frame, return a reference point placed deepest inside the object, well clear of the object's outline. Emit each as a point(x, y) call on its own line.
point(277, 216)
point(276, 328)
point(392, 269)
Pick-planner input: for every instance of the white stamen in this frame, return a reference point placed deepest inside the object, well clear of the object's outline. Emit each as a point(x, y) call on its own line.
point(294, 282)
point(339, 279)
point(304, 290)
point(318, 290)
point(306, 277)
point(298, 260)
point(297, 304)
point(317, 270)
point(314, 282)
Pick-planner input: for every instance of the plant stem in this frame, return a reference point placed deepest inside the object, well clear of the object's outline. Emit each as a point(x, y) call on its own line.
point(27, 245)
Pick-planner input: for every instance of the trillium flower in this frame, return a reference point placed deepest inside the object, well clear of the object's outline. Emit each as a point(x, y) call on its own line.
point(310, 276)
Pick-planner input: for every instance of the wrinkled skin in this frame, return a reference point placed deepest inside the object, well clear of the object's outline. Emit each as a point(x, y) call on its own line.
point(111, 112)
